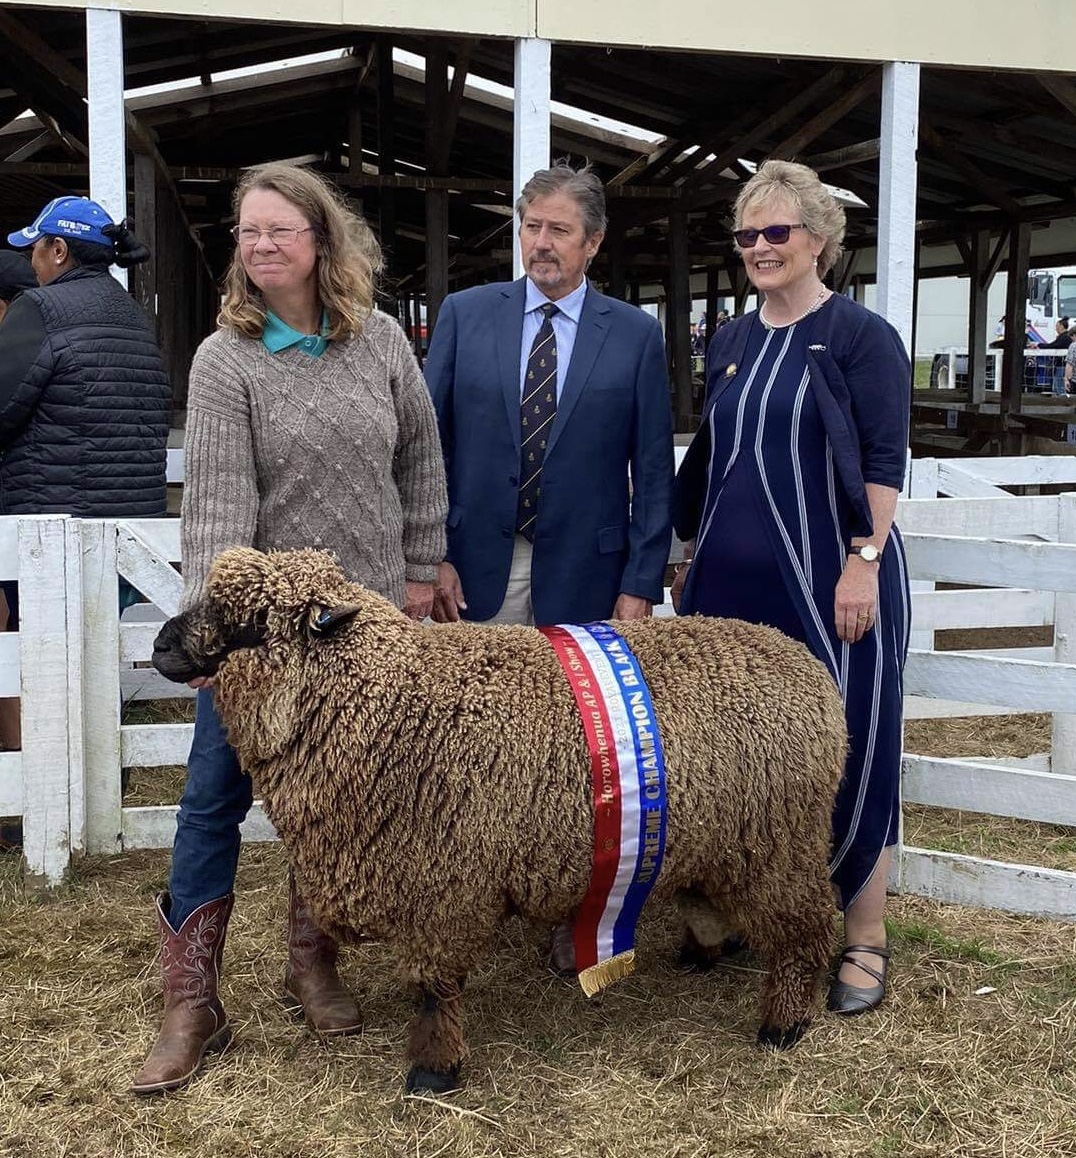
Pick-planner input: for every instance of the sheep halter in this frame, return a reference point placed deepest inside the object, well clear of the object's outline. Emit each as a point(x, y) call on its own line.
point(628, 780)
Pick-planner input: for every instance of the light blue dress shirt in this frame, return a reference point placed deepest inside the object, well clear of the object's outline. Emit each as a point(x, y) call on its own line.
point(278, 335)
point(565, 327)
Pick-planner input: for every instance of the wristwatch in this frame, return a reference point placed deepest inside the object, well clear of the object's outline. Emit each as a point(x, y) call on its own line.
point(867, 551)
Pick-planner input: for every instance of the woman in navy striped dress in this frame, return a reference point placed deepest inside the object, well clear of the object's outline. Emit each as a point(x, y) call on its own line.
point(786, 499)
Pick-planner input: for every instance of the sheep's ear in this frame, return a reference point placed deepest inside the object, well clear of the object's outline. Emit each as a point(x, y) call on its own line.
point(326, 621)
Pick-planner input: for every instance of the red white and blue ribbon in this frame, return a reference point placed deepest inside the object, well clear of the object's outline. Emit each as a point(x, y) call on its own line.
point(628, 780)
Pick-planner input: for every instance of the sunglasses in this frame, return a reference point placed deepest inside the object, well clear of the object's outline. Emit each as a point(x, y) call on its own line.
point(774, 234)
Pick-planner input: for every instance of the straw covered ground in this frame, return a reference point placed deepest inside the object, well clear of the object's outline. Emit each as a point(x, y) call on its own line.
point(973, 1056)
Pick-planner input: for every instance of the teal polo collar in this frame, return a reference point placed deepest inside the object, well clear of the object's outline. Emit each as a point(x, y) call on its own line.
point(278, 335)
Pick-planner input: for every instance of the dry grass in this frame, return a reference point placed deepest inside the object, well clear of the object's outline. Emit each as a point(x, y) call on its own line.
point(971, 1057)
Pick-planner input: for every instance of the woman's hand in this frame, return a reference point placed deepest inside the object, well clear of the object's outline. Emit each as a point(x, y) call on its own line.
point(418, 599)
point(855, 600)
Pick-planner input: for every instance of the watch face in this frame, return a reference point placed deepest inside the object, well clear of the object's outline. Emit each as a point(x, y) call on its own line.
point(868, 551)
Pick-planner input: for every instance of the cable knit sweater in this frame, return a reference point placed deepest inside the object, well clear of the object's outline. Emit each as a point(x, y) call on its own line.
point(340, 451)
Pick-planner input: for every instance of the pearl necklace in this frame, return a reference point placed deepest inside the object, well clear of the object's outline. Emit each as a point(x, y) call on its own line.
point(822, 292)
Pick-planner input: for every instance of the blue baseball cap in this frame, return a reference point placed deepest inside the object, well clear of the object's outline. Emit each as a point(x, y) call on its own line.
point(76, 218)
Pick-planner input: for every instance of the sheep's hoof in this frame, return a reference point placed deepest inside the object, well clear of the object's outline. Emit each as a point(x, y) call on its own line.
point(770, 1037)
point(423, 1081)
point(698, 958)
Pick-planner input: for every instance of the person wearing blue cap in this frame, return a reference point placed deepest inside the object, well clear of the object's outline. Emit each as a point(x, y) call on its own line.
point(15, 276)
point(85, 401)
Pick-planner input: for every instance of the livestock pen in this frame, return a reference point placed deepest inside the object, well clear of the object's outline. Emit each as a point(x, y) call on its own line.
point(969, 1056)
point(1012, 558)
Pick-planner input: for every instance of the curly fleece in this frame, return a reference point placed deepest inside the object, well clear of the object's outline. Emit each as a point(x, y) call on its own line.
point(429, 780)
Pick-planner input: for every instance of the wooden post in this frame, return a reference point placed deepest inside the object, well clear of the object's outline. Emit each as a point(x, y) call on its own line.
point(386, 160)
point(436, 199)
point(713, 294)
point(49, 679)
point(614, 248)
point(101, 695)
point(1063, 746)
point(896, 195)
point(419, 344)
point(678, 321)
point(1012, 359)
point(105, 111)
point(980, 279)
point(531, 131)
point(144, 277)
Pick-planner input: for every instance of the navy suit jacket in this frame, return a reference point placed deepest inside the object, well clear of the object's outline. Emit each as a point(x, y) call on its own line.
point(593, 538)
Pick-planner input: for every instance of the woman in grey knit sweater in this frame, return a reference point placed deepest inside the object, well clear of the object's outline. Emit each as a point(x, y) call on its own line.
point(308, 424)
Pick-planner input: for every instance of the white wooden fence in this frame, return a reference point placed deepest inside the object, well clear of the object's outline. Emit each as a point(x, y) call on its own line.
point(73, 661)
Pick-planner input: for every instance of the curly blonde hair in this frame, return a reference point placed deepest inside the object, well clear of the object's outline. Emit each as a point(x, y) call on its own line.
point(348, 253)
point(818, 208)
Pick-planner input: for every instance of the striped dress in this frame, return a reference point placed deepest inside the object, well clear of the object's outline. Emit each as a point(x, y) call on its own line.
point(771, 546)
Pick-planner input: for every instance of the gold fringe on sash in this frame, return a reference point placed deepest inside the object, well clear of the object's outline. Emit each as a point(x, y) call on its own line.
point(597, 977)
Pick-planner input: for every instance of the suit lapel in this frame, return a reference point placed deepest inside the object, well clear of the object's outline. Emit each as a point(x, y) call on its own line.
point(509, 330)
point(594, 322)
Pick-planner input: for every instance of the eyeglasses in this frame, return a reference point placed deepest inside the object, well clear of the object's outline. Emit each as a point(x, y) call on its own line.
point(280, 235)
point(774, 234)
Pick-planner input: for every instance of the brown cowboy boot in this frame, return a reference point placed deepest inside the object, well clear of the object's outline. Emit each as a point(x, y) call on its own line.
point(194, 1020)
point(312, 986)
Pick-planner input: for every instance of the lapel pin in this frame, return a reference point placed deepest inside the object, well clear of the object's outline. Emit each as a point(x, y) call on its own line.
point(730, 369)
point(817, 349)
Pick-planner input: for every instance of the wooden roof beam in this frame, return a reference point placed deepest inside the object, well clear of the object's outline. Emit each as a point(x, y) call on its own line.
point(748, 132)
point(833, 112)
point(949, 154)
point(1063, 91)
point(846, 155)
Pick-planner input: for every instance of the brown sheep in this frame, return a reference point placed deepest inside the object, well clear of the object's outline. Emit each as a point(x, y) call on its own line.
point(427, 781)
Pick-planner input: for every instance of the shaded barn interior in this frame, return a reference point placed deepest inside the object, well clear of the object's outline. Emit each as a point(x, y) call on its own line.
point(426, 150)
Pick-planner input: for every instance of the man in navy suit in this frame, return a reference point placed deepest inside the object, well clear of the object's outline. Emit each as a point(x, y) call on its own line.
point(589, 545)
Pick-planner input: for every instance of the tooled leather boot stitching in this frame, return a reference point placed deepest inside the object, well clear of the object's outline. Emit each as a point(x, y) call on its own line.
point(312, 986)
point(194, 1020)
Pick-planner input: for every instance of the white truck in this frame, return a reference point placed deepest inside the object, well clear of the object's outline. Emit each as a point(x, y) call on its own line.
point(1051, 294)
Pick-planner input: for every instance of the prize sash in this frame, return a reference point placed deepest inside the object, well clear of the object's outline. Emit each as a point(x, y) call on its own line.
point(628, 780)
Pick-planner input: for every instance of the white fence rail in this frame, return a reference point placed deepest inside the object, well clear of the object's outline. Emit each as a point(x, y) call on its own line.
point(74, 661)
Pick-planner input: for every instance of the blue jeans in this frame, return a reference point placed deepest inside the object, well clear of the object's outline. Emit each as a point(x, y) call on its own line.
point(216, 800)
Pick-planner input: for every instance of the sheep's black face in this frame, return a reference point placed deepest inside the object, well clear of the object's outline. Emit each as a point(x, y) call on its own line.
point(197, 642)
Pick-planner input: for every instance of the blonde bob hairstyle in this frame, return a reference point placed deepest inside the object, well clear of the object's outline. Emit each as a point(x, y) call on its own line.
point(348, 254)
point(800, 185)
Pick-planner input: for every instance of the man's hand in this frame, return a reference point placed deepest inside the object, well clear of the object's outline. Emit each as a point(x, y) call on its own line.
point(418, 599)
point(448, 598)
point(676, 591)
point(632, 607)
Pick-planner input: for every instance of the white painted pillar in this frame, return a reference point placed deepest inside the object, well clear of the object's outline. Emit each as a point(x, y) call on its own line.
point(108, 139)
point(1063, 746)
point(899, 133)
point(531, 141)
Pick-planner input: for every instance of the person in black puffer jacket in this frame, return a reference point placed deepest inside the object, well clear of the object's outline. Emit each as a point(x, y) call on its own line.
point(84, 398)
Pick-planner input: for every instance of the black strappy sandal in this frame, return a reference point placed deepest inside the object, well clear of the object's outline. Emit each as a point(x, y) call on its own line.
point(849, 1000)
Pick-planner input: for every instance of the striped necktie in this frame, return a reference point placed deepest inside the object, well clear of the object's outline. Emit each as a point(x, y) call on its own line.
point(536, 414)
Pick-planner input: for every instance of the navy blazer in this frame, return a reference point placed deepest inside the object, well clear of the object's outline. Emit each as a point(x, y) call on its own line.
point(594, 539)
point(861, 378)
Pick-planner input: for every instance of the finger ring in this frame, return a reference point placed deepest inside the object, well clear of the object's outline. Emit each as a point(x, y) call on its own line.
point(863, 615)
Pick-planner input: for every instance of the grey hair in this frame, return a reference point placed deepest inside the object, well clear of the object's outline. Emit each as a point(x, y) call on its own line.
point(582, 185)
point(819, 210)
